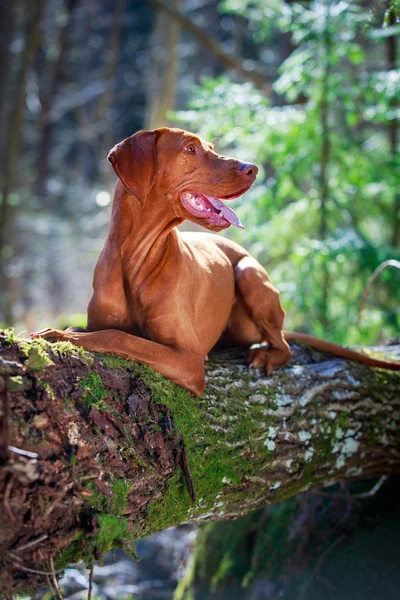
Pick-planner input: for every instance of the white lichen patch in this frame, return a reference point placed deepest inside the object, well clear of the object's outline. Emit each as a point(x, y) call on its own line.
point(304, 436)
point(271, 432)
point(353, 381)
point(339, 433)
point(309, 453)
point(257, 398)
point(270, 444)
point(384, 440)
point(276, 485)
point(340, 461)
point(345, 449)
point(350, 446)
point(283, 400)
point(238, 383)
point(332, 414)
point(354, 471)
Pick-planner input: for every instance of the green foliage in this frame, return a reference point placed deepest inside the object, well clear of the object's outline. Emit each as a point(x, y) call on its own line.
point(321, 216)
point(74, 320)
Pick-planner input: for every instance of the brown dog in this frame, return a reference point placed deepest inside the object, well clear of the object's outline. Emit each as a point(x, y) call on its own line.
point(166, 298)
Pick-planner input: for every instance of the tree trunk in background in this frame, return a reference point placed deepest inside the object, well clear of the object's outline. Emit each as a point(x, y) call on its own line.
point(212, 45)
point(11, 158)
point(98, 452)
point(7, 31)
point(54, 74)
point(107, 98)
point(394, 123)
point(324, 164)
point(163, 69)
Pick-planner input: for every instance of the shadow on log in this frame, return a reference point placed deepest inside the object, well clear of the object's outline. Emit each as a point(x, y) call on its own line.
point(97, 452)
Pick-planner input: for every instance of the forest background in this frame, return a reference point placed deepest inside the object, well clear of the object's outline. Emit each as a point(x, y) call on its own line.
point(308, 91)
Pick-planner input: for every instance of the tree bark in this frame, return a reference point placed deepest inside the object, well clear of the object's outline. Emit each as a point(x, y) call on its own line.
point(161, 77)
point(98, 452)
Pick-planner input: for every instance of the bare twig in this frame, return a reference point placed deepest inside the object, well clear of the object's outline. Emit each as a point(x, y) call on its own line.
point(48, 580)
point(320, 561)
point(375, 274)
point(16, 560)
point(33, 543)
point(6, 498)
point(361, 496)
point(55, 582)
point(373, 491)
point(4, 418)
point(90, 588)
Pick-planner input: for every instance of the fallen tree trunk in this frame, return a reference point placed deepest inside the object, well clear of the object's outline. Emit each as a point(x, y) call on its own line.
point(97, 451)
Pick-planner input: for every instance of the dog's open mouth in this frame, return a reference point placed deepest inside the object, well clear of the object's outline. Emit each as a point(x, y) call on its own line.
point(211, 208)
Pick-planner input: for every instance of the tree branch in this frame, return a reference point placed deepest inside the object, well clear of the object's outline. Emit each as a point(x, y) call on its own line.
point(230, 61)
point(102, 451)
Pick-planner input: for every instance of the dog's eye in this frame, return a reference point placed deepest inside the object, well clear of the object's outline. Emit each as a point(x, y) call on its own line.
point(191, 149)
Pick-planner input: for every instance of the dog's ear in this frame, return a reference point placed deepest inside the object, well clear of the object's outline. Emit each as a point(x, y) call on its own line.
point(134, 162)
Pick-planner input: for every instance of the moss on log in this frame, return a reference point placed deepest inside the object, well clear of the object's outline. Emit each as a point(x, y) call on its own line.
point(97, 452)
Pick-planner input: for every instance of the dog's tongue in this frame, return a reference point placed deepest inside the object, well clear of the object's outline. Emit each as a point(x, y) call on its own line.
point(226, 212)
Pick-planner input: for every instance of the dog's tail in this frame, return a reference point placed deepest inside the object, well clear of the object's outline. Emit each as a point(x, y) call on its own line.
point(341, 351)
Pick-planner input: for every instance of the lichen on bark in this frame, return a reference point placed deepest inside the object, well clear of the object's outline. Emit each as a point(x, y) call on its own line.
point(104, 451)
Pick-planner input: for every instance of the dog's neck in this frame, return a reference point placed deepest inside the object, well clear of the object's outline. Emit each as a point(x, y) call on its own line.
point(142, 232)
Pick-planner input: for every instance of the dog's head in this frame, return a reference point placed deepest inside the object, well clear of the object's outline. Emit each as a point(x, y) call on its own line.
point(184, 172)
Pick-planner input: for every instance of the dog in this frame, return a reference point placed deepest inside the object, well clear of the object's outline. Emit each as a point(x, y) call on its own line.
point(166, 298)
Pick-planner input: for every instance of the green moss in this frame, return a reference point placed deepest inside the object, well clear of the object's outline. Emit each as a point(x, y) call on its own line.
point(119, 498)
point(94, 390)
point(11, 336)
point(343, 420)
point(36, 351)
point(221, 466)
point(16, 383)
point(66, 349)
point(78, 549)
point(114, 532)
point(98, 501)
point(116, 362)
point(47, 387)
point(116, 502)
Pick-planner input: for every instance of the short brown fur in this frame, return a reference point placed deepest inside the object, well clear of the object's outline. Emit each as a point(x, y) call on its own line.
point(166, 298)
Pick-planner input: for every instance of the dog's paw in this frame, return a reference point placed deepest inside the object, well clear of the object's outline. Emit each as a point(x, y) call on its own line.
point(268, 358)
point(54, 335)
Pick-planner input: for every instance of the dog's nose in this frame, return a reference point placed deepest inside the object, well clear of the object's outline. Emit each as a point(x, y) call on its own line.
point(248, 169)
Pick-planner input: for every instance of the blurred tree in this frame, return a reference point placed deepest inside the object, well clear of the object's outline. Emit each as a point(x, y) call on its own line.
point(392, 13)
point(161, 79)
point(51, 77)
point(14, 136)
